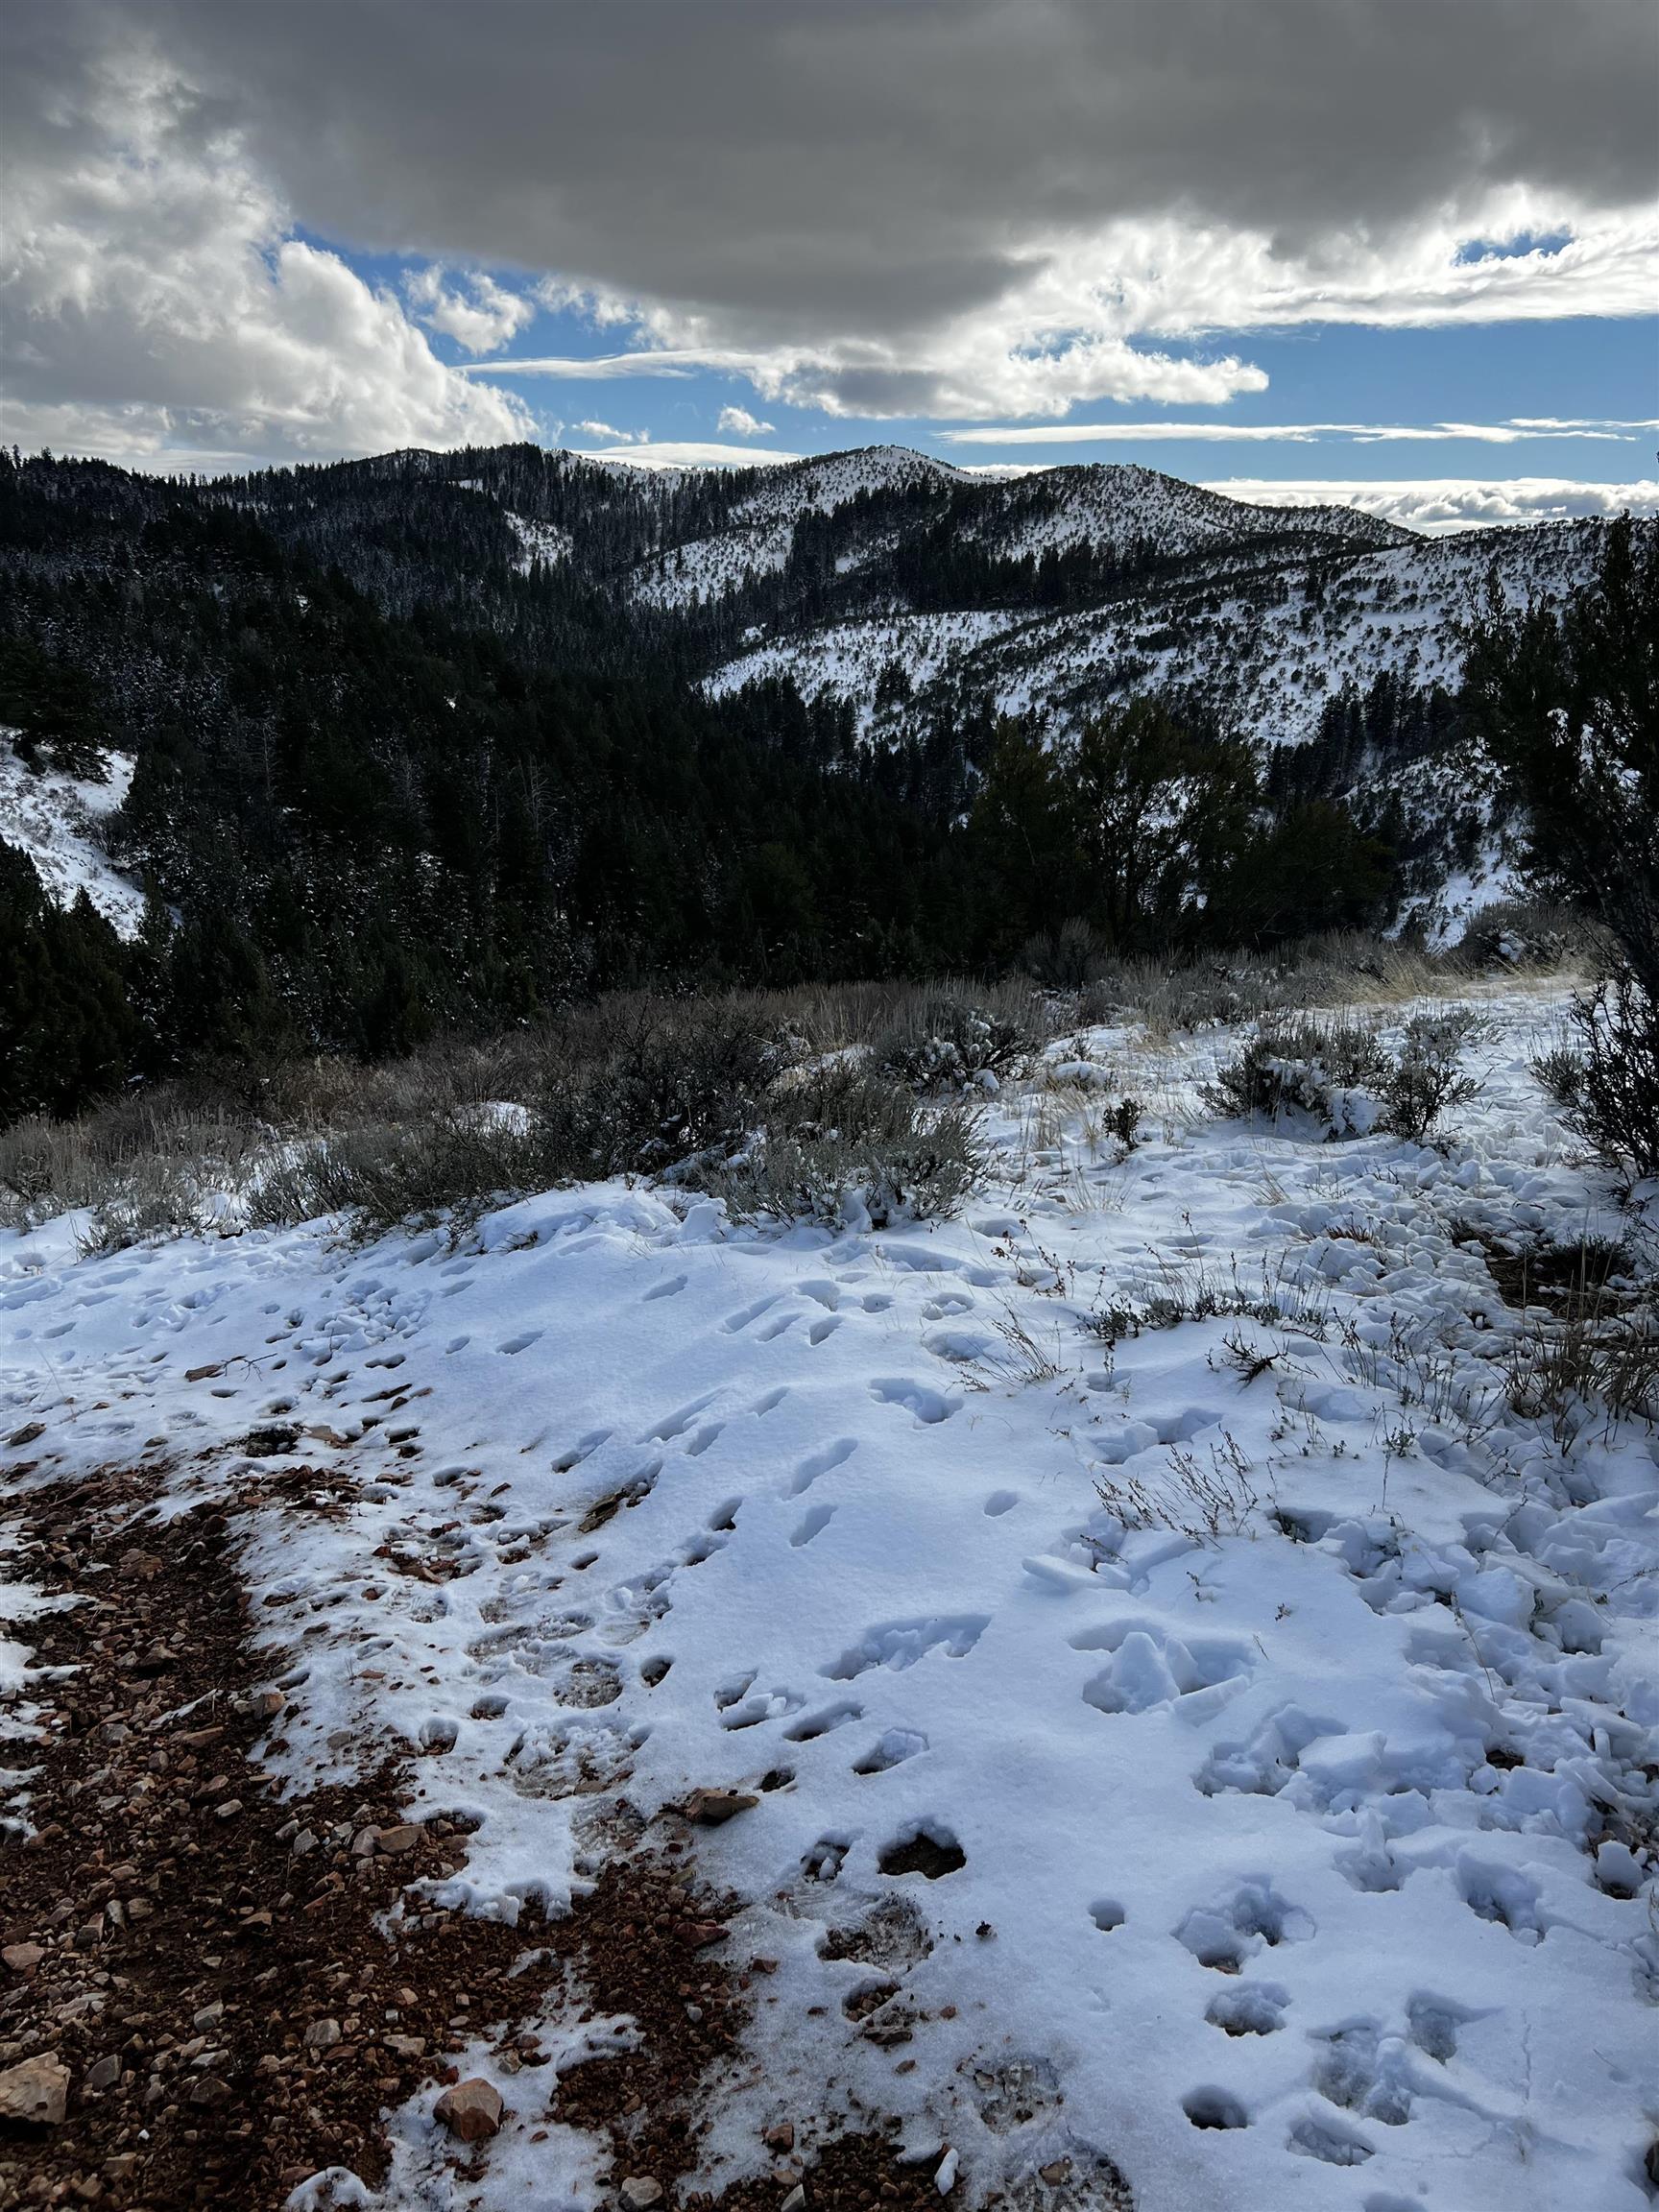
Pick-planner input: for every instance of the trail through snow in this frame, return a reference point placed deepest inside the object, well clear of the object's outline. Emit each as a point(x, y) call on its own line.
point(1236, 1771)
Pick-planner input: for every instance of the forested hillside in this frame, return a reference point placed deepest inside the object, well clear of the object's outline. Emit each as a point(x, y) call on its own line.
point(448, 740)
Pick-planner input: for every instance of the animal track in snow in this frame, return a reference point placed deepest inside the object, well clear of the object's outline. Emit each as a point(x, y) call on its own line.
point(1107, 1915)
point(1001, 1502)
point(1503, 1895)
point(675, 1424)
point(925, 1848)
point(822, 1462)
point(672, 1289)
point(822, 1331)
point(581, 1449)
point(1254, 2008)
point(1314, 2138)
point(1223, 1936)
point(1209, 2108)
point(813, 1524)
point(746, 1314)
point(889, 1750)
point(1361, 2068)
point(901, 1644)
point(520, 1343)
point(827, 1718)
point(929, 1406)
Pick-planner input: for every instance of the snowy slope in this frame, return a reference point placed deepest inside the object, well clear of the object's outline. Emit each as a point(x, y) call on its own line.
point(1121, 505)
point(1288, 1719)
point(1264, 660)
point(55, 819)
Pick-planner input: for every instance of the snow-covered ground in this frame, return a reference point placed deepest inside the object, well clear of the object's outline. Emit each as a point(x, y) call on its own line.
point(1283, 1693)
point(55, 819)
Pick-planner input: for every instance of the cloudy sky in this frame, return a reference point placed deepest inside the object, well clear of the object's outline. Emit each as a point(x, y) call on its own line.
point(1403, 251)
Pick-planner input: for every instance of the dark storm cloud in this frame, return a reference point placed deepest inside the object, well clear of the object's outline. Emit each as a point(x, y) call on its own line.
point(874, 168)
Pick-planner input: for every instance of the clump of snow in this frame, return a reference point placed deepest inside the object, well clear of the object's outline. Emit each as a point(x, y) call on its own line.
point(56, 819)
point(1167, 1645)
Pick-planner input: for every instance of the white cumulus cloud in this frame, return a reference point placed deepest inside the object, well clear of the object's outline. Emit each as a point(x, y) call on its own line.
point(479, 314)
point(155, 308)
point(741, 423)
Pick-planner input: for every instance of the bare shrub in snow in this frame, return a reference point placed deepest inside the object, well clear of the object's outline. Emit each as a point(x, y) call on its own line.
point(840, 1143)
point(951, 1043)
point(1427, 1079)
point(1328, 1072)
point(671, 1080)
point(1340, 1075)
point(1586, 1371)
point(1608, 1088)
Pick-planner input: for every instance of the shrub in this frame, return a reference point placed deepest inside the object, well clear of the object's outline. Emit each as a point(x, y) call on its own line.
point(456, 1163)
point(951, 1043)
point(1426, 1079)
point(841, 1142)
point(1608, 1090)
point(1330, 1070)
point(1340, 1074)
point(668, 1084)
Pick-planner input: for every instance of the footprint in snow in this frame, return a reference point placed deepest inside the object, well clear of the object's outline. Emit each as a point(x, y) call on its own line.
point(814, 1525)
point(929, 1406)
point(520, 1343)
point(822, 1462)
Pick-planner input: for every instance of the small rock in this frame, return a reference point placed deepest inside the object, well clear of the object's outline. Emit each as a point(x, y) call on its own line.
point(795, 2201)
point(364, 1841)
point(710, 1808)
point(208, 2092)
point(23, 1958)
point(471, 2110)
point(406, 2046)
point(266, 1705)
point(104, 2072)
point(1057, 2171)
point(700, 1934)
point(228, 1809)
point(640, 2191)
point(781, 2136)
point(404, 1837)
point(322, 2035)
point(209, 2015)
point(37, 2092)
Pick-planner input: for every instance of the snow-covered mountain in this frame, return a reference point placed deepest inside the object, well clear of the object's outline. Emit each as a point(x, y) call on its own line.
point(1262, 642)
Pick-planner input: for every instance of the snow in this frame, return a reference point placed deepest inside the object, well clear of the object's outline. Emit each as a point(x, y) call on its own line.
point(538, 540)
point(1274, 1710)
point(55, 819)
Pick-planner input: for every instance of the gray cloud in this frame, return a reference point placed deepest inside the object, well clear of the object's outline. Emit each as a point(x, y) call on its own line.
point(881, 166)
point(967, 208)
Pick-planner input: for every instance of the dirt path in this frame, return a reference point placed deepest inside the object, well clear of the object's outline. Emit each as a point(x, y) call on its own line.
point(226, 1991)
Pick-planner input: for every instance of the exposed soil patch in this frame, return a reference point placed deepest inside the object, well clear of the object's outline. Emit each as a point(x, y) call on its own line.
point(211, 1973)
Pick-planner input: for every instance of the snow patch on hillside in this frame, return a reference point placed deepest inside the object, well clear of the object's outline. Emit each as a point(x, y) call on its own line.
point(538, 540)
point(57, 820)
